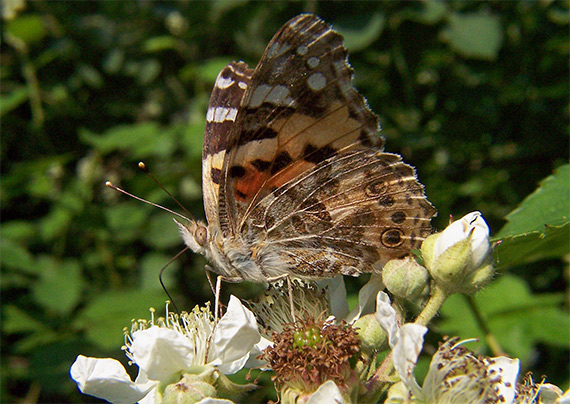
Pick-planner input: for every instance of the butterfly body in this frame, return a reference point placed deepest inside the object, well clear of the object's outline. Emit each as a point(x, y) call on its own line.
point(295, 179)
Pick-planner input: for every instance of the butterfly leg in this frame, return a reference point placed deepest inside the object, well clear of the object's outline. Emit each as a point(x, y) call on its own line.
point(217, 289)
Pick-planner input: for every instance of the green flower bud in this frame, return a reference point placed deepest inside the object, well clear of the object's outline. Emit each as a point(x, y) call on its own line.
point(397, 394)
point(372, 335)
point(200, 382)
point(192, 387)
point(405, 278)
point(459, 258)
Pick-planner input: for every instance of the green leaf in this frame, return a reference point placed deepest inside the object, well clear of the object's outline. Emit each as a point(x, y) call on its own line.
point(13, 99)
point(55, 223)
point(525, 248)
point(90, 76)
point(160, 43)
point(141, 140)
point(16, 320)
point(28, 28)
point(17, 230)
point(150, 267)
point(109, 313)
point(15, 256)
point(360, 31)
point(549, 205)
point(209, 70)
point(430, 12)
point(60, 284)
point(475, 35)
point(125, 220)
point(162, 232)
point(518, 319)
point(539, 227)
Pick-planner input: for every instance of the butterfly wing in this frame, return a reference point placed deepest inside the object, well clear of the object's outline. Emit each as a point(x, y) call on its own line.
point(299, 109)
point(229, 88)
point(350, 214)
point(300, 171)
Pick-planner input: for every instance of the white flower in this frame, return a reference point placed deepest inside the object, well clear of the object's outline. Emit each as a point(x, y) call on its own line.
point(455, 374)
point(328, 392)
point(459, 258)
point(163, 350)
point(336, 296)
point(470, 227)
point(406, 341)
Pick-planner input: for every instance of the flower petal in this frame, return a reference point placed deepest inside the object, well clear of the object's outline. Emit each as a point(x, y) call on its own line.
point(336, 295)
point(480, 246)
point(471, 226)
point(210, 400)
point(252, 361)
point(366, 298)
point(386, 316)
point(509, 370)
point(234, 337)
point(107, 379)
point(327, 393)
point(405, 354)
point(160, 351)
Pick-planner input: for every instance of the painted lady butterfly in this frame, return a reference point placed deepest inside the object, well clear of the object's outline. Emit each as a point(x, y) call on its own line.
point(295, 181)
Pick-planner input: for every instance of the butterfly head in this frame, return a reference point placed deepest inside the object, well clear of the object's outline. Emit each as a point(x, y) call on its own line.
point(194, 234)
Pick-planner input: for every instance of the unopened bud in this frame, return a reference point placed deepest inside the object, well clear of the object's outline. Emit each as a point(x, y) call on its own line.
point(405, 278)
point(372, 335)
point(459, 258)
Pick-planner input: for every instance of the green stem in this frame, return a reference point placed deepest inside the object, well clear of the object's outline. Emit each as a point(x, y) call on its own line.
point(379, 382)
point(32, 82)
point(489, 336)
point(436, 300)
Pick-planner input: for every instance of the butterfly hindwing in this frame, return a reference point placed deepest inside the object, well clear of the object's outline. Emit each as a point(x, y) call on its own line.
point(350, 213)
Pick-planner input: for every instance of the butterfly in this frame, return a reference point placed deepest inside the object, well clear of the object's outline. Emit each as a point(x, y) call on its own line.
point(294, 177)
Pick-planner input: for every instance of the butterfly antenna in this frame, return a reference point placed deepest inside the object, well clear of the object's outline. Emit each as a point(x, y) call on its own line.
point(142, 166)
point(116, 188)
point(162, 282)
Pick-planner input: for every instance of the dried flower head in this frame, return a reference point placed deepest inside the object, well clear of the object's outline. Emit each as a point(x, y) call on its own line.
point(308, 353)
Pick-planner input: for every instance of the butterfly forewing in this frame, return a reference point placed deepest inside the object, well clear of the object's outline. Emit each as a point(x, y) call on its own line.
point(225, 101)
point(299, 109)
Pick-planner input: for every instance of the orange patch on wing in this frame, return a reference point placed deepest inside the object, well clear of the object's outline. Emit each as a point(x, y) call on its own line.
point(249, 184)
point(255, 183)
point(287, 174)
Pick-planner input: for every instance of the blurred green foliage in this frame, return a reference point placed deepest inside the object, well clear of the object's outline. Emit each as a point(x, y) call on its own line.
point(474, 94)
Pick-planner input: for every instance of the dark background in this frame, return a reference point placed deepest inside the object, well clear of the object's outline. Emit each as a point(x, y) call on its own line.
point(474, 94)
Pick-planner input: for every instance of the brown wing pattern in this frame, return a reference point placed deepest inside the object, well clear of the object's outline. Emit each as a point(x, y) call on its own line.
point(349, 215)
point(225, 100)
point(299, 109)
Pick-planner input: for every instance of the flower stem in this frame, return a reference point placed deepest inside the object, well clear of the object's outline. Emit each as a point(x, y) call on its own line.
point(436, 300)
point(379, 382)
point(489, 336)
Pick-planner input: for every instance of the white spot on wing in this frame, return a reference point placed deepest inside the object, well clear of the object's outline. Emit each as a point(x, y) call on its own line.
point(317, 81)
point(210, 114)
point(259, 95)
point(223, 82)
point(221, 114)
point(242, 85)
point(277, 48)
point(313, 62)
point(302, 50)
point(279, 95)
